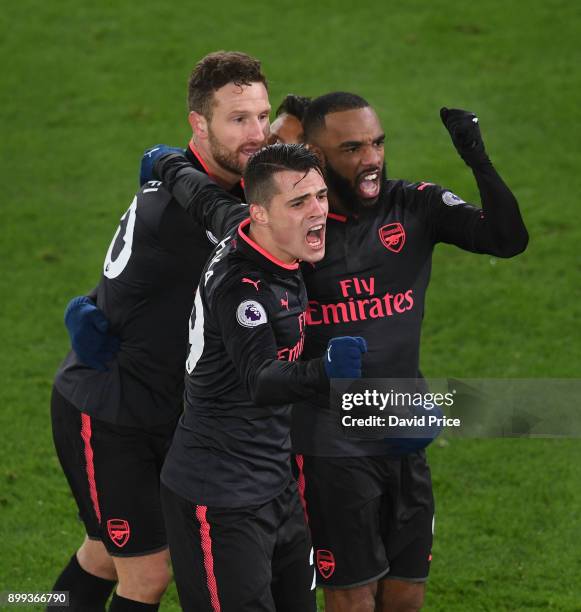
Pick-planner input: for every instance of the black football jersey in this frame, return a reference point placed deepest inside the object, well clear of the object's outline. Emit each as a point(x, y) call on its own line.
point(146, 291)
point(373, 279)
point(232, 444)
point(373, 282)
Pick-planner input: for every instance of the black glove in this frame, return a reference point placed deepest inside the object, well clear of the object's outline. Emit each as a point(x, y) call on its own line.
point(465, 132)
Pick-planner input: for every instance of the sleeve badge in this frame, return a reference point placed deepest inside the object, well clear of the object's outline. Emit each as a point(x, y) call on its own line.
point(251, 313)
point(451, 199)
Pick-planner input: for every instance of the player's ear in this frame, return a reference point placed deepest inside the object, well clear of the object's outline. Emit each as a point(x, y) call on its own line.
point(318, 152)
point(258, 214)
point(199, 125)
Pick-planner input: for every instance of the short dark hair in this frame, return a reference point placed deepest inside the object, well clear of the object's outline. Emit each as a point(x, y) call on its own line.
point(294, 105)
point(216, 70)
point(259, 185)
point(333, 102)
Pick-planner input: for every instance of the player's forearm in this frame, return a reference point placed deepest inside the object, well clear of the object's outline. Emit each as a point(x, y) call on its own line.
point(284, 382)
point(502, 231)
point(207, 203)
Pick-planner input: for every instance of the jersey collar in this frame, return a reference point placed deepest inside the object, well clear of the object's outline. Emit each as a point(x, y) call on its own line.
point(263, 258)
point(337, 217)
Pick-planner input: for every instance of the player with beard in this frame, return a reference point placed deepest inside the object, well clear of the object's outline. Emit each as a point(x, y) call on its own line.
point(370, 506)
point(371, 511)
point(112, 425)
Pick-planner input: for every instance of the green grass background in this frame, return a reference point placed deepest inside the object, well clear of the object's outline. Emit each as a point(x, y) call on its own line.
point(85, 87)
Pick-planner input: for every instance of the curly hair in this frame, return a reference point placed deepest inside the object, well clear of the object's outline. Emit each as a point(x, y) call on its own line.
point(216, 70)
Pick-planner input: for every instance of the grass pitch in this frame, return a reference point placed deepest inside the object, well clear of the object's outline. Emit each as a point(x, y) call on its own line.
point(86, 87)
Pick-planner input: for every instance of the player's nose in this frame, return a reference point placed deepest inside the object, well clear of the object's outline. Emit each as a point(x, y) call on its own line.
point(371, 156)
point(319, 207)
point(256, 130)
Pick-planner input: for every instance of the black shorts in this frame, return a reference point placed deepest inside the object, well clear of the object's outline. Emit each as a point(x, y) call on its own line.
point(113, 472)
point(370, 517)
point(252, 559)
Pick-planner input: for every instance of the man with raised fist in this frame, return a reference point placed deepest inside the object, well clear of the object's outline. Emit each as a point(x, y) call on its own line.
point(370, 502)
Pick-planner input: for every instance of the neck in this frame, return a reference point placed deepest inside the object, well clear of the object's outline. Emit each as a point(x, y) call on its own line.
point(224, 178)
point(336, 205)
point(264, 240)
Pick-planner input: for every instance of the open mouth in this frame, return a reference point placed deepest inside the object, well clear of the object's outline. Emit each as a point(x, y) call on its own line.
point(248, 151)
point(316, 236)
point(368, 184)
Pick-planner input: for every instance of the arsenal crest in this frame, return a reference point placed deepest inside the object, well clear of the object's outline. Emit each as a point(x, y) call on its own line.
point(325, 563)
point(392, 236)
point(119, 532)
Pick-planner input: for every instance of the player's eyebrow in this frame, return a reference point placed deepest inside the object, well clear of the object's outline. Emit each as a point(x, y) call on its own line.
point(347, 144)
point(298, 199)
point(350, 143)
point(304, 196)
point(245, 111)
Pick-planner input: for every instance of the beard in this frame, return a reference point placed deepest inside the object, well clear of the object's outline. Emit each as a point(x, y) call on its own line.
point(228, 160)
point(347, 194)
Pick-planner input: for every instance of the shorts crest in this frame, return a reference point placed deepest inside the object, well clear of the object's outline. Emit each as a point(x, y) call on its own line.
point(325, 563)
point(119, 531)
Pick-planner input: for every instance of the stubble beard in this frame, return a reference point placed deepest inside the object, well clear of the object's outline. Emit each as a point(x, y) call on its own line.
point(228, 160)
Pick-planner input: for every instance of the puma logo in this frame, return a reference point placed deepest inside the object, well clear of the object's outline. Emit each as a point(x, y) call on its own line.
point(255, 283)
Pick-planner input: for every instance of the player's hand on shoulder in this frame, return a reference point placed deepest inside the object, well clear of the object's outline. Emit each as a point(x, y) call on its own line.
point(149, 158)
point(88, 330)
point(344, 355)
point(464, 130)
